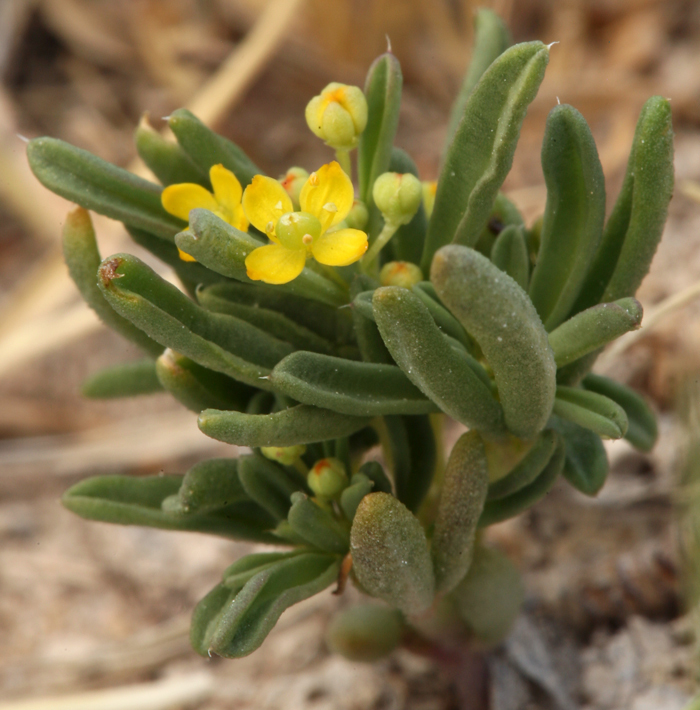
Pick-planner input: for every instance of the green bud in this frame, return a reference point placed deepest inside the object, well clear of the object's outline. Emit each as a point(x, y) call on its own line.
point(328, 478)
point(397, 196)
point(292, 181)
point(366, 632)
point(286, 455)
point(400, 273)
point(358, 216)
point(338, 115)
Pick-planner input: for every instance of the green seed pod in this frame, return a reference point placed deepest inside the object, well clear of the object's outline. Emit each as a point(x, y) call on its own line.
point(509, 254)
point(197, 387)
point(317, 526)
point(357, 388)
point(350, 498)
point(302, 424)
point(491, 39)
point(481, 153)
point(366, 632)
point(397, 197)
point(165, 159)
point(447, 377)
point(328, 478)
point(594, 328)
point(83, 259)
point(97, 185)
point(586, 464)
point(390, 554)
point(497, 313)
point(128, 380)
point(206, 148)
point(267, 483)
point(642, 431)
point(526, 470)
point(574, 215)
point(212, 340)
point(465, 484)
point(496, 511)
point(490, 597)
point(592, 411)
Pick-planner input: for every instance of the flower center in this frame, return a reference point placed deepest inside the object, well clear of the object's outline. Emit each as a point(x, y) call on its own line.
point(298, 230)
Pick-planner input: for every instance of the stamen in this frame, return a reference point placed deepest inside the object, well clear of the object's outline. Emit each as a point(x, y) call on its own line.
point(307, 239)
point(313, 179)
point(278, 206)
point(330, 207)
point(270, 228)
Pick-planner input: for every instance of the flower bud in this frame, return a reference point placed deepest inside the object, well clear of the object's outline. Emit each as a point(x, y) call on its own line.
point(338, 115)
point(397, 196)
point(400, 273)
point(358, 216)
point(286, 455)
point(429, 190)
point(327, 478)
point(292, 181)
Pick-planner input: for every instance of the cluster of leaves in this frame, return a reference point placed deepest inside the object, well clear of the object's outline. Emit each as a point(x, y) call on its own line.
point(501, 338)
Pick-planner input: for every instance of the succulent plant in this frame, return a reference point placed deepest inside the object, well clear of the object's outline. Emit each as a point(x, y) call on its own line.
point(316, 321)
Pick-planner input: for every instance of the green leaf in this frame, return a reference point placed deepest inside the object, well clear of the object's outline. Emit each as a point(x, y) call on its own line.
point(594, 328)
point(317, 526)
point(216, 341)
point(369, 340)
point(206, 148)
point(445, 376)
point(574, 215)
point(97, 185)
point(481, 153)
point(126, 380)
point(636, 222)
point(383, 93)
point(462, 499)
point(503, 214)
point(268, 484)
point(390, 554)
point(365, 632)
point(83, 259)
point(166, 159)
point(491, 39)
point(586, 463)
point(444, 320)
point(223, 249)
point(642, 431)
point(211, 485)
point(495, 511)
point(350, 498)
point(362, 389)
point(302, 424)
point(197, 387)
point(234, 623)
point(375, 472)
point(509, 254)
point(244, 569)
point(526, 470)
point(490, 597)
point(498, 314)
point(127, 500)
point(592, 411)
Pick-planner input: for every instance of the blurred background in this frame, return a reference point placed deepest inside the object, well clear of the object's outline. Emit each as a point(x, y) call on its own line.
point(86, 606)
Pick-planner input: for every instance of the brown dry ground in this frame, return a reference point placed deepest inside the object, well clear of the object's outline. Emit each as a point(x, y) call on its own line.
point(88, 606)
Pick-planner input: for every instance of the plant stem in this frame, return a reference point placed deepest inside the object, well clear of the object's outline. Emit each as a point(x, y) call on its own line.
point(300, 466)
point(379, 243)
point(343, 157)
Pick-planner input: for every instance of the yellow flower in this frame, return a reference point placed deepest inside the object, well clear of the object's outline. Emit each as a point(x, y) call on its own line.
point(325, 199)
point(225, 202)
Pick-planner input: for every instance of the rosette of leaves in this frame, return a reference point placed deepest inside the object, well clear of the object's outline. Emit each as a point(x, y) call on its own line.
point(501, 336)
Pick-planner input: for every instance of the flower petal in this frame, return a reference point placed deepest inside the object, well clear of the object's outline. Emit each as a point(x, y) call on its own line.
point(265, 201)
point(227, 189)
point(340, 248)
point(185, 256)
point(328, 186)
point(275, 264)
point(181, 198)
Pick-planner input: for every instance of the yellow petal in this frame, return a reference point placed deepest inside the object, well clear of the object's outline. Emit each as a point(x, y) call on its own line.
point(275, 264)
point(185, 256)
point(328, 194)
point(227, 189)
point(340, 248)
point(265, 201)
point(181, 198)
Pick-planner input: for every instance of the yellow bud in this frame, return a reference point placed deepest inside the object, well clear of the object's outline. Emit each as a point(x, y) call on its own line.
point(400, 273)
point(397, 196)
point(338, 115)
point(327, 478)
point(286, 455)
point(429, 190)
point(292, 181)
